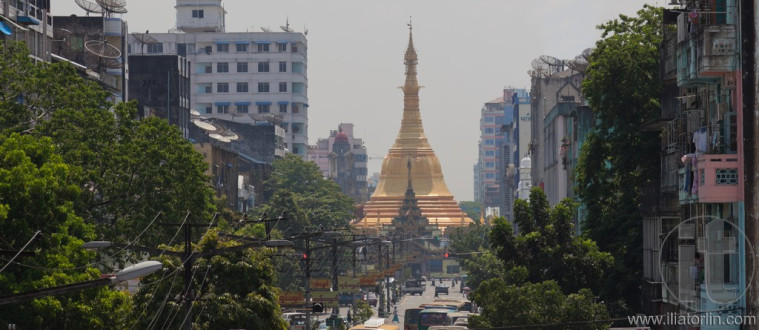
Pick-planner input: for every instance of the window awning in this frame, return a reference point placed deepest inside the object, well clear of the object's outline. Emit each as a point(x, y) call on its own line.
point(5, 29)
point(283, 102)
point(242, 42)
point(262, 42)
point(221, 42)
point(263, 103)
point(223, 103)
point(282, 41)
point(29, 20)
point(242, 103)
point(305, 105)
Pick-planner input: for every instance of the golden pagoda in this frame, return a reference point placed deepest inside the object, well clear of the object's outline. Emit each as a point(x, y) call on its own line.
point(411, 145)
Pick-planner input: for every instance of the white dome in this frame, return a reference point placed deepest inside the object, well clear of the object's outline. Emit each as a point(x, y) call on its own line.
point(525, 163)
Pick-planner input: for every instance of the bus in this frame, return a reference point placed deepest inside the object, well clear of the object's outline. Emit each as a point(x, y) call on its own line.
point(411, 318)
point(432, 317)
point(462, 305)
point(375, 324)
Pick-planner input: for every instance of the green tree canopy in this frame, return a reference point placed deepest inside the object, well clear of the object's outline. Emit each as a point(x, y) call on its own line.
point(232, 290)
point(36, 193)
point(622, 87)
point(298, 187)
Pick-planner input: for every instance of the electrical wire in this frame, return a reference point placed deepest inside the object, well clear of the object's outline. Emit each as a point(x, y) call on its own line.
point(22, 249)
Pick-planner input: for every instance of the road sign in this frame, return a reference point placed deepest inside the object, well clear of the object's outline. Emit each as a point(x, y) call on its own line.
point(321, 284)
point(291, 299)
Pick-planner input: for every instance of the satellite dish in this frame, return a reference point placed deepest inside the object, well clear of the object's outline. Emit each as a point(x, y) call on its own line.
point(265, 29)
point(219, 137)
point(113, 63)
point(232, 136)
point(113, 6)
point(586, 53)
point(286, 27)
point(102, 49)
point(204, 125)
point(194, 113)
point(551, 61)
point(145, 38)
point(89, 6)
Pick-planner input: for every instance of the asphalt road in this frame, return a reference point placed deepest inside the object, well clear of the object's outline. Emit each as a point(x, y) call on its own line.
point(409, 301)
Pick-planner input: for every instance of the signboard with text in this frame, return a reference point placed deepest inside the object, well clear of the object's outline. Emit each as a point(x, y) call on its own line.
point(321, 284)
point(291, 299)
point(348, 284)
point(327, 298)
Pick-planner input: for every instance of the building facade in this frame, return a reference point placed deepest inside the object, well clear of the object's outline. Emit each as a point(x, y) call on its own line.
point(489, 154)
point(161, 86)
point(28, 21)
point(696, 235)
point(342, 157)
point(246, 77)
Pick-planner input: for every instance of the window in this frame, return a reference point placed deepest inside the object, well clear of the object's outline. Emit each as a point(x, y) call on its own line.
point(209, 109)
point(207, 69)
point(222, 48)
point(263, 87)
point(296, 108)
point(182, 49)
point(498, 120)
point(208, 50)
point(489, 175)
point(241, 48)
point(282, 66)
point(263, 108)
point(242, 66)
point(242, 108)
point(155, 48)
point(76, 43)
point(222, 88)
point(489, 164)
point(488, 119)
point(222, 108)
point(488, 130)
point(283, 87)
point(489, 142)
point(197, 13)
point(294, 48)
point(489, 153)
point(263, 66)
point(282, 47)
point(242, 87)
point(263, 48)
point(222, 67)
point(283, 108)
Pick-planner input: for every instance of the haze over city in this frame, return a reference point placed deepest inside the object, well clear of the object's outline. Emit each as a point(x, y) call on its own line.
point(468, 52)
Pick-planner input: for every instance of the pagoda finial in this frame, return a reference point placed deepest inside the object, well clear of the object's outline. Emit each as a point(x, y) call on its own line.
point(408, 164)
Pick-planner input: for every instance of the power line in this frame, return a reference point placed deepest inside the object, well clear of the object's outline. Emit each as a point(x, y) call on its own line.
point(22, 249)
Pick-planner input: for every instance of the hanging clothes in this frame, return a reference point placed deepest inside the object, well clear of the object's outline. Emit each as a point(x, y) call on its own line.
point(701, 140)
point(694, 165)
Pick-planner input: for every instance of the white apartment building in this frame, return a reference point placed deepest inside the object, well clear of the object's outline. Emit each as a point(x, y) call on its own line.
point(246, 77)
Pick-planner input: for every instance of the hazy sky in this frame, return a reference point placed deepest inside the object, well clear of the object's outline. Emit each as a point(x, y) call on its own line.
point(469, 50)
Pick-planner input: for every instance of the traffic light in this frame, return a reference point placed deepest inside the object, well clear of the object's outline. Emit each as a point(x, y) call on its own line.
point(446, 254)
point(305, 256)
point(317, 308)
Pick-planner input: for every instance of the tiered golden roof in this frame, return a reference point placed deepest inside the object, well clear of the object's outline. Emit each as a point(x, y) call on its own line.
point(434, 198)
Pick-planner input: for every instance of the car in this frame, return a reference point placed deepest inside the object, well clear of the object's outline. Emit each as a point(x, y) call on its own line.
point(441, 288)
point(345, 299)
point(371, 299)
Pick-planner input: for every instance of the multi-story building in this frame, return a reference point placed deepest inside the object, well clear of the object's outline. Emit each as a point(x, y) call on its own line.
point(555, 97)
point(696, 234)
point(161, 86)
point(489, 175)
point(246, 77)
point(96, 45)
point(28, 21)
point(342, 157)
point(508, 161)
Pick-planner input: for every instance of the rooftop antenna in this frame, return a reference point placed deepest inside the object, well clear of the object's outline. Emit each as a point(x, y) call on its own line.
point(102, 49)
point(89, 6)
point(579, 63)
point(286, 27)
point(265, 29)
point(554, 64)
point(539, 68)
point(305, 30)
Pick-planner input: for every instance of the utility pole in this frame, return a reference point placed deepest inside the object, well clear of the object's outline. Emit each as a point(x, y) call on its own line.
point(387, 278)
point(380, 295)
point(308, 281)
point(335, 286)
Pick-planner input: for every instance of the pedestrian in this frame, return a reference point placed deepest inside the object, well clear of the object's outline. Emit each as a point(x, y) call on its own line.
point(436, 294)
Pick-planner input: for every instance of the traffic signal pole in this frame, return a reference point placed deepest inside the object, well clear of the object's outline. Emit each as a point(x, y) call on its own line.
point(308, 281)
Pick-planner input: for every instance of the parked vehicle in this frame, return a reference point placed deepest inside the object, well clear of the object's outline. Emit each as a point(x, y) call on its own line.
point(371, 299)
point(413, 287)
point(296, 321)
point(345, 299)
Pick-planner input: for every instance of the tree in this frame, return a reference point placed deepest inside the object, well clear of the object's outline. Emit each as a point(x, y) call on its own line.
point(543, 274)
point(298, 187)
point(363, 312)
point(540, 303)
point(622, 87)
point(36, 193)
point(472, 209)
point(233, 290)
point(469, 239)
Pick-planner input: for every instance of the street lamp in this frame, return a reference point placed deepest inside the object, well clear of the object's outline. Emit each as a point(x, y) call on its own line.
point(132, 272)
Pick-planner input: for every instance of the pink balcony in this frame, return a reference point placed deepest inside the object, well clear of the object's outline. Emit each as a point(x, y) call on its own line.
point(718, 178)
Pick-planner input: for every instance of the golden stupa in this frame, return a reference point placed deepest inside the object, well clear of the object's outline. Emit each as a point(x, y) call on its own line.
point(433, 196)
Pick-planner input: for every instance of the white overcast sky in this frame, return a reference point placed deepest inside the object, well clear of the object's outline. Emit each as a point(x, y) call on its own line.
point(469, 50)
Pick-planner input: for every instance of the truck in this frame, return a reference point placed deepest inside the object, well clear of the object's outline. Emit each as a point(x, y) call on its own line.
point(413, 287)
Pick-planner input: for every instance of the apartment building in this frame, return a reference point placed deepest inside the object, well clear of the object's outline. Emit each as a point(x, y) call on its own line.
point(28, 21)
point(342, 157)
point(247, 77)
point(488, 183)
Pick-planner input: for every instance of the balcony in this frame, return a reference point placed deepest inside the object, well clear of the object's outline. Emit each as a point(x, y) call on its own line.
point(706, 50)
point(718, 178)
